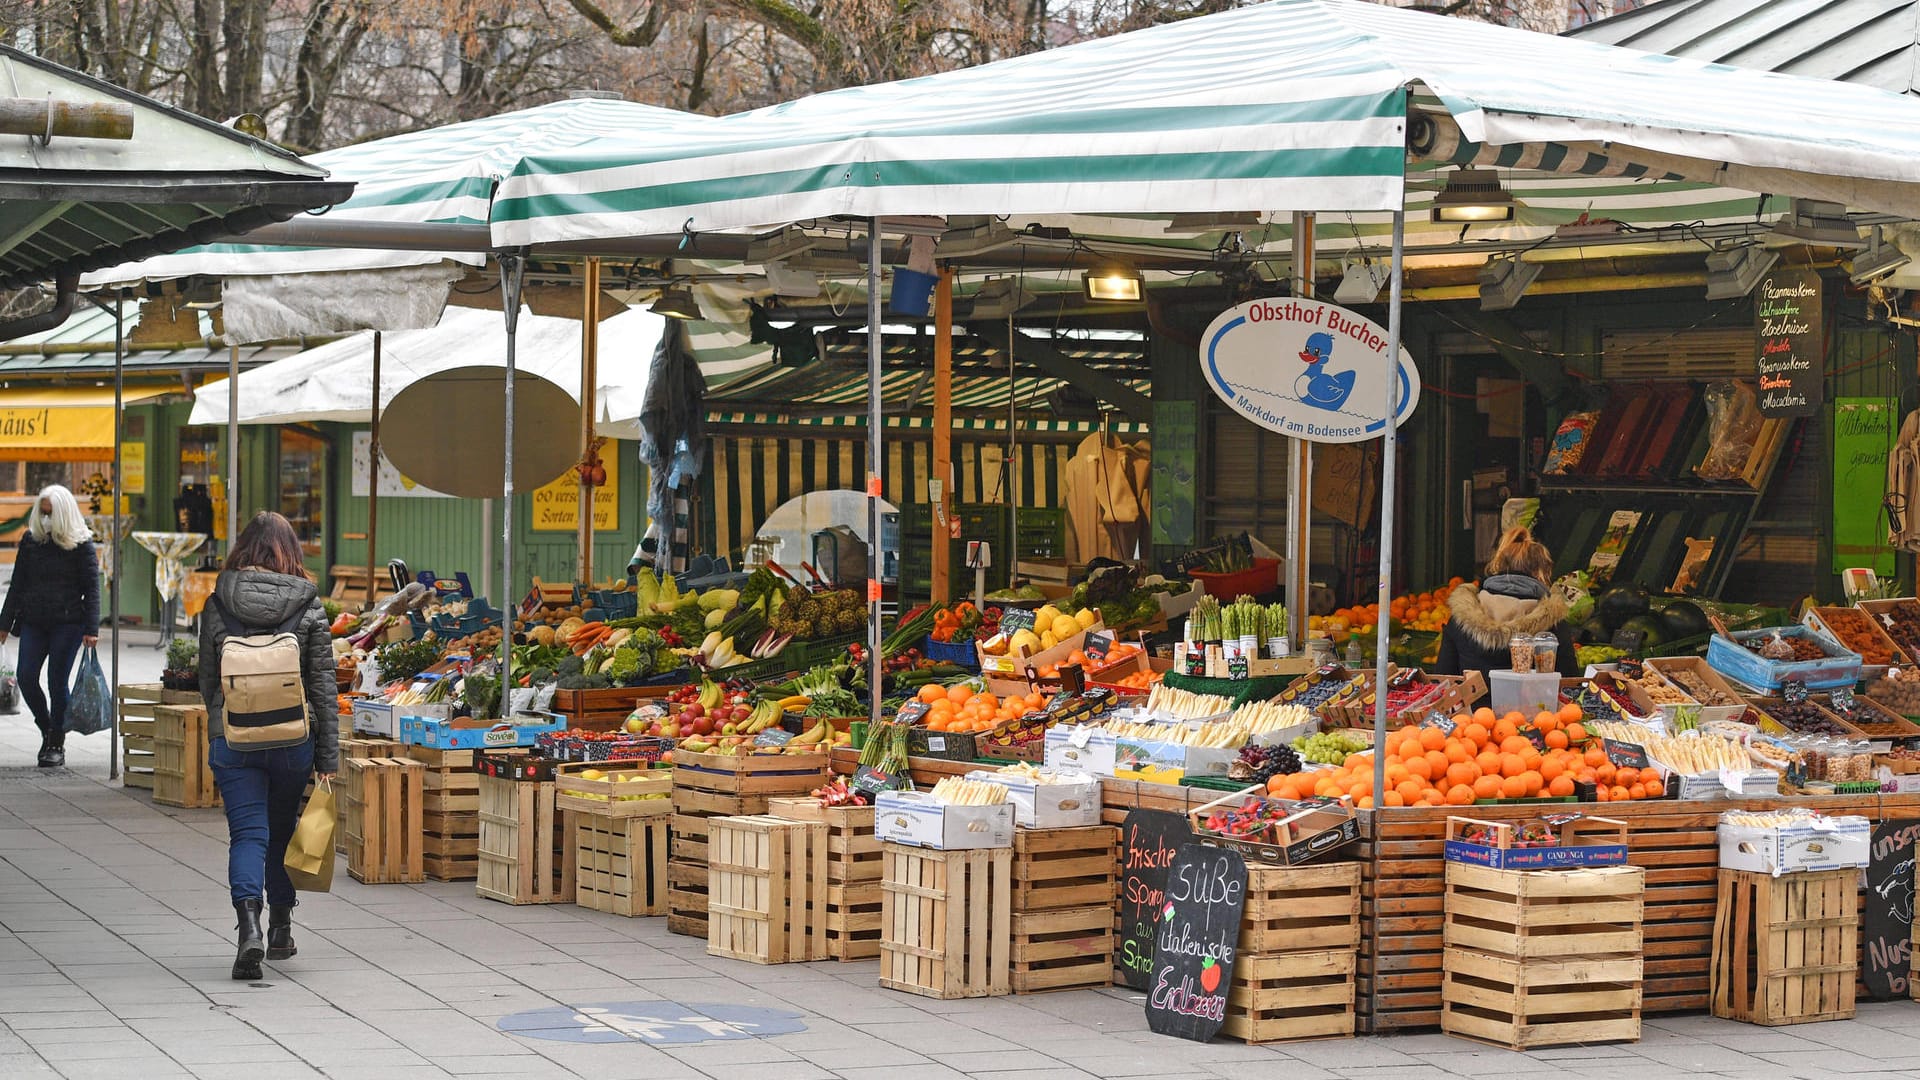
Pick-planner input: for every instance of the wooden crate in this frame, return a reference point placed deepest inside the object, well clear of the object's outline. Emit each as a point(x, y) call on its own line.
point(1065, 868)
point(1535, 914)
point(450, 825)
point(380, 816)
point(604, 709)
point(1786, 950)
point(853, 874)
point(1525, 1004)
point(135, 704)
point(1061, 948)
point(1286, 997)
point(767, 889)
point(181, 775)
point(526, 854)
point(1301, 908)
point(364, 747)
point(620, 863)
point(946, 921)
point(619, 790)
point(707, 786)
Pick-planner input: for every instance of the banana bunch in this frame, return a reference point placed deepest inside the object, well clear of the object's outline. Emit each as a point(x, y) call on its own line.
point(765, 714)
point(820, 733)
point(711, 694)
point(954, 791)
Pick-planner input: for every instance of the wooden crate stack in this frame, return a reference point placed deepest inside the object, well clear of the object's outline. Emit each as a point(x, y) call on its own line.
point(946, 921)
point(525, 843)
point(380, 812)
point(364, 747)
point(1062, 915)
point(1786, 950)
point(181, 775)
point(1299, 947)
point(136, 702)
point(767, 889)
point(707, 786)
point(620, 830)
point(1538, 958)
point(853, 874)
point(451, 818)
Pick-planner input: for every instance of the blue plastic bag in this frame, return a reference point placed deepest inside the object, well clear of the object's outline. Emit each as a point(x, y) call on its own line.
point(90, 706)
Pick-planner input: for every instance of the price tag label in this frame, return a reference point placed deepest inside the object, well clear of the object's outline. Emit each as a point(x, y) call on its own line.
point(870, 781)
point(1793, 692)
point(1444, 723)
point(1013, 619)
point(1629, 641)
point(912, 713)
point(1096, 645)
point(773, 737)
point(1537, 738)
point(1842, 700)
point(1625, 755)
point(1237, 666)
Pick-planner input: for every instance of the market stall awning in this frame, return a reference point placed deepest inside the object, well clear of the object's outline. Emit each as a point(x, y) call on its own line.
point(62, 423)
point(330, 382)
point(74, 204)
point(1289, 105)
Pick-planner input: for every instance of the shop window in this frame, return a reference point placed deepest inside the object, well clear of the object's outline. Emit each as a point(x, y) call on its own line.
point(303, 487)
point(200, 453)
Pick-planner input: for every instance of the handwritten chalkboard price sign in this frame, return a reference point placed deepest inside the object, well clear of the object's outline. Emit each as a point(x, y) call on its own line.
point(1886, 923)
point(1197, 936)
point(1148, 841)
point(1790, 327)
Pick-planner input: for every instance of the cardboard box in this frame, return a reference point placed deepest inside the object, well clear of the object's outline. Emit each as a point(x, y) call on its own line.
point(917, 819)
point(469, 734)
point(1583, 841)
point(1015, 667)
point(1072, 802)
point(1099, 752)
point(1834, 843)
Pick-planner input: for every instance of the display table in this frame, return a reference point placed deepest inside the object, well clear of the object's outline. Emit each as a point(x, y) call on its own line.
point(108, 530)
point(170, 551)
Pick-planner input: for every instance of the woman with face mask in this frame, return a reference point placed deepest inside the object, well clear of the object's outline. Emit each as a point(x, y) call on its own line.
point(53, 605)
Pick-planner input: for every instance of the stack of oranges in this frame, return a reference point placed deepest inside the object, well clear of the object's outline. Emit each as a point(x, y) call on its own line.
point(1485, 759)
point(958, 708)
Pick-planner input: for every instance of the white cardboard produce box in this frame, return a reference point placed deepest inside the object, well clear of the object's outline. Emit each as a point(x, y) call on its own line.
point(917, 819)
point(1835, 843)
point(1071, 802)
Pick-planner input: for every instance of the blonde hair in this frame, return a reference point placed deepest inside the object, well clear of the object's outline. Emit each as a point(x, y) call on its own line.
point(64, 526)
point(1520, 553)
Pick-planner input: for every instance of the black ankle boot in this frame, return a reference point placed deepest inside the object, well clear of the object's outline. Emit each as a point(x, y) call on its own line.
point(280, 932)
point(246, 963)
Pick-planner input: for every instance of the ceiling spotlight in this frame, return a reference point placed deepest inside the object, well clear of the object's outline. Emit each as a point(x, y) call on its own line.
point(978, 240)
point(1811, 221)
point(1879, 260)
point(676, 302)
point(786, 281)
point(1000, 298)
point(1503, 281)
point(1473, 195)
point(1229, 221)
point(784, 244)
point(1357, 284)
point(1114, 283)
point(1733, 272)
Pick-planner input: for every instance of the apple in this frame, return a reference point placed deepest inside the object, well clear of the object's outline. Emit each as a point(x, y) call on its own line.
point(741, 712)
point(729, 728)
point(695, 709)
point(703, 725)
point(671, 730)
point(634, 725)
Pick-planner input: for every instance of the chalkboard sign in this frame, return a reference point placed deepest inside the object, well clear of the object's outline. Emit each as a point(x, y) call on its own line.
point(870, 781)
point(1886, 926)
point(1444, 723)
point(1148, 840)
point(774, 737)
point(1196, 937)
point(1013, 619)
point(1792, 358)
point(1096, 645)
point(1625, 755)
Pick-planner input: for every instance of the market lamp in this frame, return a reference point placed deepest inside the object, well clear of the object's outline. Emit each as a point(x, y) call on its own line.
point(1114, 283)
point(1357, 284)
point(1504, 281)
point(677, 302)
point(1473, 196)
point(1821, 224)
point(1733, 272)
point(1880, 260)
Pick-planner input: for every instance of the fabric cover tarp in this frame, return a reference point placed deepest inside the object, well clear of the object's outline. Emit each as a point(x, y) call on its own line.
point(279, 306)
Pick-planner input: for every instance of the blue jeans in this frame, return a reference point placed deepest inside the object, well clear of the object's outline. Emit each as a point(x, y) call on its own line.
point(54, 648)
point(262, 792)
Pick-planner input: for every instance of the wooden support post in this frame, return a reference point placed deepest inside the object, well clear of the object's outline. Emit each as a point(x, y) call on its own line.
point(942, 476)
point(373, 476)
point(71, 119)
point(589, 385)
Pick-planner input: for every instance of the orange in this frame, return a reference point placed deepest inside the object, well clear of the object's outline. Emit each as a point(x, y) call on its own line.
point(1560, 787)
point(1364, 802)
point(1637, 791)
point(1484, 716)
point(1585, 777)
point(1394, 741)
point(1576, 734)
point(1393, 798)
point(1396, 772)
point(1036, 701)
point(1546, 721)
point(1512, 765)
point(1458, 750)
point(1465, 772)
point(1459, 795)
point(1438, 762)
point(1506, 728)
point(959, 694)
point(1487, 787)
point(1605, 773)
point(1531, 758)
point(1489, 762)
point(932, 692)
point(1477, 733)
point(1557, 740)
point(1595, 757)
point(1627, 776)
point(1570, 713)
point(1409, 790)
point(1601, 794)
point(1412, 749)
point(1551, 767)
point(1516, 744)
point(1532, 780)
point(1419, 768)
point(1618, 794)
point(1432, 739)
point(1513, 787)
point(1655, 788)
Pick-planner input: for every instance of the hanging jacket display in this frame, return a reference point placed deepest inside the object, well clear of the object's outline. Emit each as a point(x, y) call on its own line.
point(1106, 495)
point(1903, 486)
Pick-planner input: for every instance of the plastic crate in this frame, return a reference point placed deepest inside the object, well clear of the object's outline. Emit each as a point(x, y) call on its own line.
point(1040, 533)
point(616, 605)
point(1741, 664)
point(1263, 578)
point(962, 653)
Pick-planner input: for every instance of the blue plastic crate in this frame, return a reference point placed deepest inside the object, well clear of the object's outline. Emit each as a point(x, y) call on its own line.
point(616, 605)
point(1734, 660)
point(952, 652)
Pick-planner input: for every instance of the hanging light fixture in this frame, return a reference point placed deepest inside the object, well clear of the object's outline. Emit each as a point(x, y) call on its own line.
point(1473, 195)
point(676, 302)
point(1733, 272)
point(1357, 284)
point(1504, 281)
point(1812, 221)
point(1881, 259)
point(1114, 283)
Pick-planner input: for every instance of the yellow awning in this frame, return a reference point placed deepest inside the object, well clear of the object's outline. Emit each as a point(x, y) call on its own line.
point(62, 423)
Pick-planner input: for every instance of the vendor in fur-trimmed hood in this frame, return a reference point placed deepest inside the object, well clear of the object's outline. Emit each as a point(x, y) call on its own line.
point(1512, 599)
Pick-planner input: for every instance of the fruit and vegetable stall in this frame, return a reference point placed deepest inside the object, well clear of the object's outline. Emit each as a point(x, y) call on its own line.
point(1045, 767)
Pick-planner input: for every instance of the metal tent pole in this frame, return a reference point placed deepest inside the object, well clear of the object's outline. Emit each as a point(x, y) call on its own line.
point(233, 453)
point(589, 403)
point(1299, 565)
point(1387, 499)
point(113, 524)
point(373, 474)
point(874, 473)
point(511, 269)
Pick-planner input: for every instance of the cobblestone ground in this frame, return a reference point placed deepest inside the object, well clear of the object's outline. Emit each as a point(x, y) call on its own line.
point(115, 942)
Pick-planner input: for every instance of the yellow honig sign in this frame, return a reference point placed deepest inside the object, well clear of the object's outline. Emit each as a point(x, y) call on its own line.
point(556, 505)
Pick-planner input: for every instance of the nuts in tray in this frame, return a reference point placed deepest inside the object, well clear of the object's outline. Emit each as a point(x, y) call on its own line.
point(1786, 649)
point(1876, 720)
point(1900, 695)
point(1856, 630)
point(1901, 621)
point(1805, 718)
point(1661, 692)
point(1698, 688)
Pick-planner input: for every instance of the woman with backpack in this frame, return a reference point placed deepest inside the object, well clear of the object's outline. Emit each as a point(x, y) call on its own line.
point(266, 671)
point(53, 604)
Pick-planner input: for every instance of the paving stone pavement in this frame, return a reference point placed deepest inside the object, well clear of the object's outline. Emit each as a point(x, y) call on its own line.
point(115, 942)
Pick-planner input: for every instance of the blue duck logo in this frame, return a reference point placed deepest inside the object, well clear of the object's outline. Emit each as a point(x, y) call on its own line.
point(1318, 387)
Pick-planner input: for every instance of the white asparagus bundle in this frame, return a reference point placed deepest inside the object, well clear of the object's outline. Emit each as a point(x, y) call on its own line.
point(1766, 819)
point(1177, 704)
point(1691, 755)
point(954, 791)
point(1260, 717)
point(1221, 735)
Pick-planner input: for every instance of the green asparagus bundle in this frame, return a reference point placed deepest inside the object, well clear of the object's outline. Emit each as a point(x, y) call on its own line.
point(1276, 621)
point(1203, 623)
point(1243, 618)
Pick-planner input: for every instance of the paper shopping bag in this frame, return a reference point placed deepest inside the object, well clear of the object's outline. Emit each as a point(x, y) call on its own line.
point(310, 853)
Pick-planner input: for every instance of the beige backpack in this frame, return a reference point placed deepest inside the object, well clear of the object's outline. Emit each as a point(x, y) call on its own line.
point(261, 680)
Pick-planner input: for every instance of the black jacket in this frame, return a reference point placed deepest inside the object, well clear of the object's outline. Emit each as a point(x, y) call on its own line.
point(53, 586)
point(1486, 616)
point(263, 601)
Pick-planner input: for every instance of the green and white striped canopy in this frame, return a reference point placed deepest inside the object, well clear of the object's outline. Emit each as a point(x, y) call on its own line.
point(1289, 105)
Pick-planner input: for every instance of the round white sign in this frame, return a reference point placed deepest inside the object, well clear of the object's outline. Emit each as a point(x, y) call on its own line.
point(1307, 369)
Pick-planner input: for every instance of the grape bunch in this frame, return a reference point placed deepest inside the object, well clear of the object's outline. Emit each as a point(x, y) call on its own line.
point(1259, 764)
point(1329, 747)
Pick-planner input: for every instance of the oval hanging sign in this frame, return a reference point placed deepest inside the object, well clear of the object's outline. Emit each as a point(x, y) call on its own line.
point(1306, 369)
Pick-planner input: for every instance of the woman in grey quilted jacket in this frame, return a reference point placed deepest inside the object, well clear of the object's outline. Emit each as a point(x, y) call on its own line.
point(264, 588)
